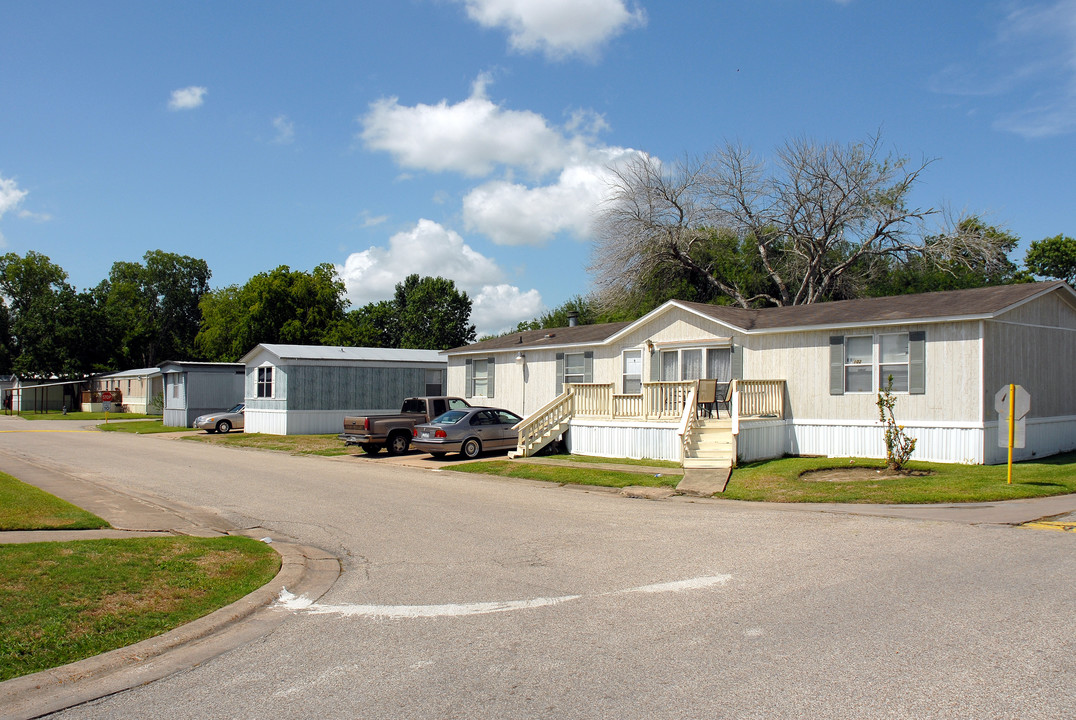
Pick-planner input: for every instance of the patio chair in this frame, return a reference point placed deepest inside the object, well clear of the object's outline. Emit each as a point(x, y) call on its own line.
point(707, 397)
point(724, 397)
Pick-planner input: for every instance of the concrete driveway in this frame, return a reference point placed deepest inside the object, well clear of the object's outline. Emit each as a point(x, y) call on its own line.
point(477, 597)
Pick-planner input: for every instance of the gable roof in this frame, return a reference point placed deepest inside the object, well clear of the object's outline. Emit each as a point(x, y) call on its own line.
point(349, 354)
point(974, 303)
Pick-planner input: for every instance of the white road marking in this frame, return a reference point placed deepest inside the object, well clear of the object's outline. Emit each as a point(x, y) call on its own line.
point(302, 604)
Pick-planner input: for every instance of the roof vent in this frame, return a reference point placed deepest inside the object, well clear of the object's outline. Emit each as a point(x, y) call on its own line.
point(573, 318)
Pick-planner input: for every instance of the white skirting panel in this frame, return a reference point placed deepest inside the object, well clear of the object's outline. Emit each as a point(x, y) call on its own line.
point(933, 444)
point(1042, 437)
point(762, 440)
point(301, 422)
point(624, 440)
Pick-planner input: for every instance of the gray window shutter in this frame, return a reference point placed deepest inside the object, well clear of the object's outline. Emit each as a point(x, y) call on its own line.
point(560, 373)
point(836, 365)
point(736, 361)
point(491, 365)
point(655, 367)
point(588, 367)
point(468, 389)
point(917, 363)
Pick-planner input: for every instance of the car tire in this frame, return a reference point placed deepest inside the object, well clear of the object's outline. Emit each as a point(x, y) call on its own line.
point(397, 444)
point(471, 448)
point(224, 426)
point(371, 449)
point(437, 455)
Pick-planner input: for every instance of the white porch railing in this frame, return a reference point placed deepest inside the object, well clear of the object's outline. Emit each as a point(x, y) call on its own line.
point(662, 401)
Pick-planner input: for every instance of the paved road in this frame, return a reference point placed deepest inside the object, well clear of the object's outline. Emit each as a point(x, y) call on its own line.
point(472, 597)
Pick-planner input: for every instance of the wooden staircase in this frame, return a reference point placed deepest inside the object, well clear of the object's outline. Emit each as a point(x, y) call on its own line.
point(710, 444)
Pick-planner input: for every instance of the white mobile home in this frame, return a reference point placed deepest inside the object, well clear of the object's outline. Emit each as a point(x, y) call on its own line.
point(306, 389)
point(803, 380)
point(195, 388)
point(134, 390)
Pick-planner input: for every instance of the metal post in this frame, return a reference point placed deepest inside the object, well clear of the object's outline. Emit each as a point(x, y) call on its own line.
point(1012, 425)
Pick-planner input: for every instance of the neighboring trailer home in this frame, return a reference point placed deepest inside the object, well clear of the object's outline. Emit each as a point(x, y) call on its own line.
point(803, 380)
point(196, 388)
point(137, 390)
point(307, 389)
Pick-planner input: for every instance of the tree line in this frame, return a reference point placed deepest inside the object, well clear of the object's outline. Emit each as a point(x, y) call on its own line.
point(162, 308)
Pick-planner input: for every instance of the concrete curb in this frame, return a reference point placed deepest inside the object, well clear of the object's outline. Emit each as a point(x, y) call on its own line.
point(304, 570)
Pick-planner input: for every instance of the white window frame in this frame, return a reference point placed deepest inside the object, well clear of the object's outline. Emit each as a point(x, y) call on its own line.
point(906, 362)
point(573, 377)
point(626, 377)
point(876, 363)
point(260, 382)
point(478, 378)
point(703, 351)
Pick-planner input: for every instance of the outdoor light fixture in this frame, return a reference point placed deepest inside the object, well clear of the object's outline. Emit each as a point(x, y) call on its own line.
point(650, 346)
point(520, 358)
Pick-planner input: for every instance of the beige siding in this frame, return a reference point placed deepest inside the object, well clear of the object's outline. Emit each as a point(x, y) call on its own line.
point(802, 360)
point(1034, 346)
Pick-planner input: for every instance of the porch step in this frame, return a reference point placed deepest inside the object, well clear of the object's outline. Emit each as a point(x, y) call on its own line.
point(549, 435)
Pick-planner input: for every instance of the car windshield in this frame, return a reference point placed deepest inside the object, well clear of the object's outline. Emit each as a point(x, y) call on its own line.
point(449, 418)
point(237, 408)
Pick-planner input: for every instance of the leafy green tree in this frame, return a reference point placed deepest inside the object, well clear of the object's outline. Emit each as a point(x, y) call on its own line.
point(47, 318)
point(372, 325)
point(280, 306)
point(1053, 257)
point(433, 315)
point(153, 308)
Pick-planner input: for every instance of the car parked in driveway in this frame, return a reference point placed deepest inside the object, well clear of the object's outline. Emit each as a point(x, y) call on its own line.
point(467, 431)
point(222, 421)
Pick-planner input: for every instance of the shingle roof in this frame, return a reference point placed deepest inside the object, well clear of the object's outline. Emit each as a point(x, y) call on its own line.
point(336, 352)
point(896, 308)
point(549, 337)
point(976, 302)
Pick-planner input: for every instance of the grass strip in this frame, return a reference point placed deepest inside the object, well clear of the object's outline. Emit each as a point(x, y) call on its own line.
point(79, 415)
point(783, 481)
point(62, 602)
point(567, 475)
point(645, 462)
point(25, 507)
point(140, 427)
point(328, 445)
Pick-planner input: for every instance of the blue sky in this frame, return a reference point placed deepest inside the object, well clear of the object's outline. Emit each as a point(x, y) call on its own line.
point(471, 138)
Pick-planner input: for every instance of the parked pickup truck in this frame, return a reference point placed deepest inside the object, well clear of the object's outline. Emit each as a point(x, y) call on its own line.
point(393, 432)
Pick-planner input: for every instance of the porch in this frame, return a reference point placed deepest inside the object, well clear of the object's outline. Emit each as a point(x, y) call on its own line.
point(668, 408)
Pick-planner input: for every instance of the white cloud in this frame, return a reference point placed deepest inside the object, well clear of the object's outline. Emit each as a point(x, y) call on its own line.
point(499, 308)
point(557, 28)
point(1030, 65)
point(427, 249)
point(471, 137)
point(513, 214)
point(431, 249)
point(10, 195)
point(285, 130)
point(187, 98)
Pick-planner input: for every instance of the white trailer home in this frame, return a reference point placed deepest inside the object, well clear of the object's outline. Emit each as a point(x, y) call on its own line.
point(307, 389)
point(195, 388)
point(802, 380)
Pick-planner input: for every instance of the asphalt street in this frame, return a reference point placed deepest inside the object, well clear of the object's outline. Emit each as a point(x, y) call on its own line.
point(473, 597)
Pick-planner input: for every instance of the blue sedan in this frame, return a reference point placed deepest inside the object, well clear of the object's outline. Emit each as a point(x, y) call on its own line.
point(468, 432)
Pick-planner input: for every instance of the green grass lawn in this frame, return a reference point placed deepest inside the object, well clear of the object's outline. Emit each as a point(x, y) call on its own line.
point(62, 602)
point(783, 480)
point(140, 427)
point(328, 445)
point(24, 507)
point(567, 475)
point(54, 415)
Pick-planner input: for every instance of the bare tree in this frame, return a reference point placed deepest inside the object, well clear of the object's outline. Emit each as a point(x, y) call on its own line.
point(820, 214)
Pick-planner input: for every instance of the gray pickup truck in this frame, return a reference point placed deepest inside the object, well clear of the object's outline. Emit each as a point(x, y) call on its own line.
point(393, 432)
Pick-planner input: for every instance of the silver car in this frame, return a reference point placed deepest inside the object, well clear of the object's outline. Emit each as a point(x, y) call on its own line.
point(468, 432)
point(222, 421)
